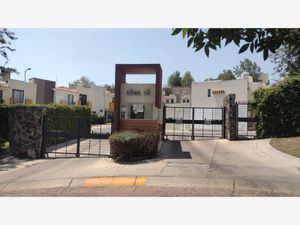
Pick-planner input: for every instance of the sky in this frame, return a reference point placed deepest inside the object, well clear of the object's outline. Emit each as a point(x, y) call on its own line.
point(64, 55)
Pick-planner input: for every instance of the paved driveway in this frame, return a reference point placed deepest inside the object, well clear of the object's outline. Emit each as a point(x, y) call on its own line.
point(234, 166)
point(252, 159)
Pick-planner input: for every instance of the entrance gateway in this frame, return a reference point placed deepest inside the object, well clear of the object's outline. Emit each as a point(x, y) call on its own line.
point(138, 106)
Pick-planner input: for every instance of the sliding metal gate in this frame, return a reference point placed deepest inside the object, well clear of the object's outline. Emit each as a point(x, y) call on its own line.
point(190, 123)
point(76, 140)
point(245, 121)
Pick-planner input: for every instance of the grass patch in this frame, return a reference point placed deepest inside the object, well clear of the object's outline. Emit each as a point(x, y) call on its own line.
point(290, 145)
point(4, 150)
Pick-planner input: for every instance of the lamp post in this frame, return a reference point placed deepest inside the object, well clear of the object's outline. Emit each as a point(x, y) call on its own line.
point(25, 73)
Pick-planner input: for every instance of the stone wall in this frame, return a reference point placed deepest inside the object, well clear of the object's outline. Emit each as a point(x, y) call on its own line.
point(26, 131)
point(230, 117)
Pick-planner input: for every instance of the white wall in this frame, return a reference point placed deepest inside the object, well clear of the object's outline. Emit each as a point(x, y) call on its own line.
point(97, 99)
point(140, 99)
point(60, 95)
point(200, 92)
point(28, 88)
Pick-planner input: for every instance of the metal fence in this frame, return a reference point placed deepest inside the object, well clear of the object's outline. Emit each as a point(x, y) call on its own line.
point(74, 140)
point(190, 123)
point(246, 122)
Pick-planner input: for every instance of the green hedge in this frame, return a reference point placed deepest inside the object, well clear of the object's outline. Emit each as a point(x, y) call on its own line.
point(59, 117)
point(131, 145)
point(4, 129)
point(65, 117)
point(278, 109)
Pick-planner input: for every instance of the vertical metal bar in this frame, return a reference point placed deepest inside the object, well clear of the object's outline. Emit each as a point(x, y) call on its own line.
point(99, 153)
point(78, 138)
point(212, 118)
point(237, 119)
point(89, 146)
point(247, 120)
point(203, 122)
point(66, 139)
point(174, 124)
point(193, 123)
point(164, 123)
point(182, 128)
point(223, 123)
point(44, 136)
point(55, 142)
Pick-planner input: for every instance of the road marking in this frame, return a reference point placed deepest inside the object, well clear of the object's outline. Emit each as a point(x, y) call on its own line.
point(115, 181)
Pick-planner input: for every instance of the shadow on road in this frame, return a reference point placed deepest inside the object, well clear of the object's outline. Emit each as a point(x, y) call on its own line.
point(10, 162)
point(173, 150)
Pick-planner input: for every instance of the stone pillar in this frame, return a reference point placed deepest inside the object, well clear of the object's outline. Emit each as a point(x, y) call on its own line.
point(230, 117)
point(26, 131)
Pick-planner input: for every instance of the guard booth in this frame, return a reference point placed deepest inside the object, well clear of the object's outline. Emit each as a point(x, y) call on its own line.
point(138, 106)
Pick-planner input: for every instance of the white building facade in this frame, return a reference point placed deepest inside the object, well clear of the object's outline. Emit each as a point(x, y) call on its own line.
point(17, 92)
point(92, 97)
point(212, 93)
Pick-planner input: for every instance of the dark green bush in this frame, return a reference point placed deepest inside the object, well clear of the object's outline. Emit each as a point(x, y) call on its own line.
point(95, 119)
point(4, 129)
point(67, 117)
point(278, 109)
point(131, 145)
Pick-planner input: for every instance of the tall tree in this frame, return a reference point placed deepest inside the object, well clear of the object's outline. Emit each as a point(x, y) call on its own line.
point(226, 75)
point(84, 82)
point(255, 40)
point(248, 66)
point(174, 79)
point(5, 46)
point(287, 62)
point(187, 79)
point(167, 90)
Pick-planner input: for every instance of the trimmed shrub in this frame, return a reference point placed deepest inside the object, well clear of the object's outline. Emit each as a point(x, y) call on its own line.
point(278, 109)
point(66, 117)
point(132, 145)
point(4, 128)
point(95, 119)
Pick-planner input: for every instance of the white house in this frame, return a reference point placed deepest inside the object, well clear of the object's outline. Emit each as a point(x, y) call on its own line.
point(212, 93)
point(17, 92)
point(93, 97)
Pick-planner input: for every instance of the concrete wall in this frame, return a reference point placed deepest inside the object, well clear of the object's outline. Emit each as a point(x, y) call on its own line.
point(200, 92)
point(108, 99)
point(44, 93)
point(98, 99)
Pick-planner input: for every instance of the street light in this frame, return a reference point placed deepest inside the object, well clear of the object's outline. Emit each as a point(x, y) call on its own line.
point(25, 73)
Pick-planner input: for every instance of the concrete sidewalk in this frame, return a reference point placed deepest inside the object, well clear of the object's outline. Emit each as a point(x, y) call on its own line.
point(158, 185)
point(234, 167)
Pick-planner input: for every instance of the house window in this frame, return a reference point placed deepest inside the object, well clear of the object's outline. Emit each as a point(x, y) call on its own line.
point(187, 101)
point(18, 96)
point(183, 100)
point(1, 96)
point(167, 100)
point(83, 99)
point(208, 92)
point(70, 99)
point(172, 100)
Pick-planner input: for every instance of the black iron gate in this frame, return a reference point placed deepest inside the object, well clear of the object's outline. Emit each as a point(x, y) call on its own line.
point(245, 121)
point(189, 123)
point(75, 139)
